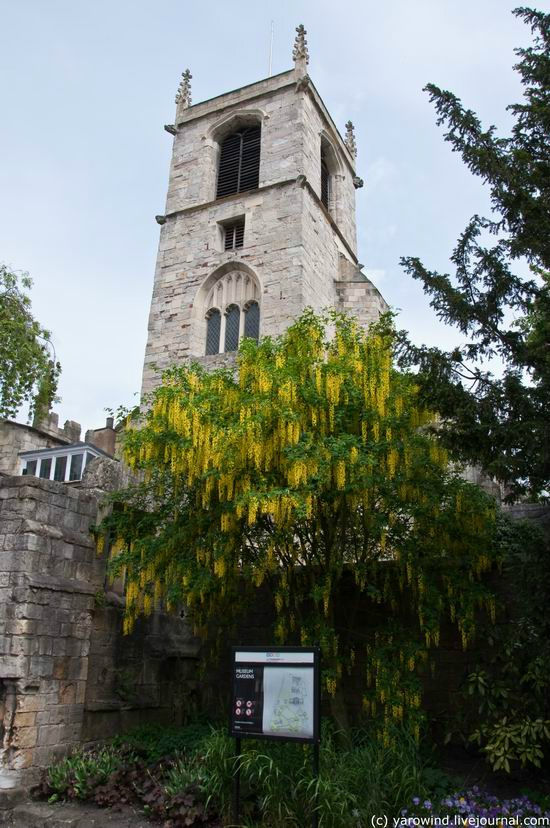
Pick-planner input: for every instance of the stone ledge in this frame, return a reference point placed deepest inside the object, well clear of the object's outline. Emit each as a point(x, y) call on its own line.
point(10, 797)
point(116, 705)
point(56, 584)
point(22, 482)
point(233, 197)
point(45, 530)
point(68, 815)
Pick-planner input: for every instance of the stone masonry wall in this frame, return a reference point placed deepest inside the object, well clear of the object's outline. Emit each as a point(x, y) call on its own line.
point(67, 675)
point(48, 576)
point(15, 437)
point(292, 244)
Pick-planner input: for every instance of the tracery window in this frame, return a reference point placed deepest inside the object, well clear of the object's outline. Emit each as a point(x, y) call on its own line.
point(229, 307)
point(239, 168)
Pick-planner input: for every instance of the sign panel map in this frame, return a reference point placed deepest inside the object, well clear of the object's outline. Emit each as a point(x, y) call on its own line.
point(288, 701)
point(275, 693)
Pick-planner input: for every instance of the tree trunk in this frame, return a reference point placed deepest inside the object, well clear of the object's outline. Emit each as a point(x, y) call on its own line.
point(339, 713)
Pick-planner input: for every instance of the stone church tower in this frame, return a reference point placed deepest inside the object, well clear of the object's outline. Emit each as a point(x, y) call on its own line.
point(259, 220)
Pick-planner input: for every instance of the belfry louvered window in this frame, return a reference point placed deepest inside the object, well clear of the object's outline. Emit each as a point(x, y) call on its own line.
point(325, 182)
point(252, 321)
point(239, 168)
point(213, 327)
point(233, 235)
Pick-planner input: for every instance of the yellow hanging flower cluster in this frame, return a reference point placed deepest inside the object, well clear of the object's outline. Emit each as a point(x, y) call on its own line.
point(315, 462)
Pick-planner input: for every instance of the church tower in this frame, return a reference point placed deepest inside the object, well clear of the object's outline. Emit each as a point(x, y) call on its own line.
point(259, 220)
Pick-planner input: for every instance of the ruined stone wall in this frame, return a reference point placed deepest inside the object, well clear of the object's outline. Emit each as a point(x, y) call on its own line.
point(49, 574)
point(67, 676)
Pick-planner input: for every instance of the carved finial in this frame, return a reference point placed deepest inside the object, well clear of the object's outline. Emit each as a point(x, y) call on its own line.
point(349, 140)
point(300, 53)
point(183, 95)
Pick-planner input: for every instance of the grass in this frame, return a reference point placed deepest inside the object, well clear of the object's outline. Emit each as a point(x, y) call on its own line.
point(277, 783)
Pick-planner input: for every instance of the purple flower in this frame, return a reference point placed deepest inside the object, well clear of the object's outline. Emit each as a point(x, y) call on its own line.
point(427, 805)
point(416, 800)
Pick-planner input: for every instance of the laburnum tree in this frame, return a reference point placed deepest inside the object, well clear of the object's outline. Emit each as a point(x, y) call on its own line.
point(309, 464)
point(499, 422)
point(28, 371)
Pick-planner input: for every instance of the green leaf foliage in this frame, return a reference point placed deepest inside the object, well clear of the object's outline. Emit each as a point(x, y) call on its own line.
point(499, 422)
point(309, 472)
point(28, 373)
point(506, 710)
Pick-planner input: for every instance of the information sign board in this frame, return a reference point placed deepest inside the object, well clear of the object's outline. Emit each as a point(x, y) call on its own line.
point(275, 693)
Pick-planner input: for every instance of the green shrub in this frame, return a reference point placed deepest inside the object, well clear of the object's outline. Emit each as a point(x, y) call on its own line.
point(77, 775)
point(187, 774)
point(278, 787)
point(506, 709)
point(153, 742)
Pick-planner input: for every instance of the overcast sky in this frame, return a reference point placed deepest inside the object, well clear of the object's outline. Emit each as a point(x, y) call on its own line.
point(86, 87)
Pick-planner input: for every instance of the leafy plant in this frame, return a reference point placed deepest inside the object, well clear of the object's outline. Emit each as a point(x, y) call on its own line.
point(506, 742)
point(507, 696)
point(499, 422)
point(28, 369)
point(278, 786)
point(100, 599)
point(77, 775)
point(153, 742)
point(311, 466)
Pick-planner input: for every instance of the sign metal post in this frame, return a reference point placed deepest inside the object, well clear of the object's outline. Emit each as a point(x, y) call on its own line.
point(275, 695)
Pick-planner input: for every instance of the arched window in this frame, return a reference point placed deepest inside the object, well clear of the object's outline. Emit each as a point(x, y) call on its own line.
point(325, 180)
point(252, 321)
point(232, 323)
point(226, 308)
point(213, 327)
point(239, 168)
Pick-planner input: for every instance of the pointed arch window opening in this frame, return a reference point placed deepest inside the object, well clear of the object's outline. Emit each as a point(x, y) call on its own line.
point(230, 304)
point(239, 165)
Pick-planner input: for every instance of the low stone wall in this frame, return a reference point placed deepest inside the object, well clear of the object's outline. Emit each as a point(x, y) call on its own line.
point(148, 676)
point(49, 573)
point(67, 675)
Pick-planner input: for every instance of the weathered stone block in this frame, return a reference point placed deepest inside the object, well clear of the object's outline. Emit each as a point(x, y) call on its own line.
point(13, 666)
point(25, 737)
point(24, 719)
